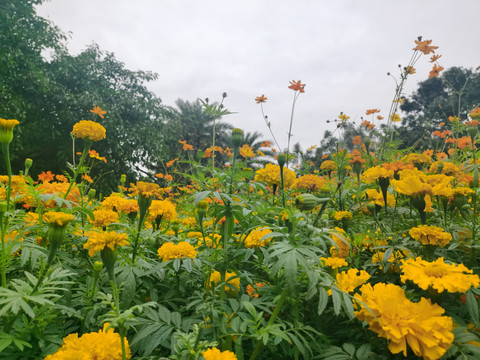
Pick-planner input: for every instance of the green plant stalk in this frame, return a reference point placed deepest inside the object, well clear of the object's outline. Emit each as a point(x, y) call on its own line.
point(6, 156)
point(116, 299)
point(88, 143)
point(295, 97)
point(3, 264)
point(143, 212)
point(278, 307)
point(281, 184)
point(51, 255)
point(213, 147)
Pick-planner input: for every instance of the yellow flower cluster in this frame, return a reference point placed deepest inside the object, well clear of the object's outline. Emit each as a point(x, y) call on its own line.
point(341, 242)
point(163, 209)
point(97, 241)
point(430, 235)
point(102, 345)
point(230, 278)
point(104, 217)
point(333, 262)
point(417, 159)
point(145, 189)
point(117, 202)
point(328, 165)
point(376, 197)
point(89, 130)
point(215, 354)
point(310, 182)
point(448, 168)
point(438, 275)
point(271, 175)
point(349, 280)
point(340, 215)
point(60, 219)
point(256, 238)
point(371, 175)
point(246, 151)
point(170, 251)
point(391, 315)
point(7, 125)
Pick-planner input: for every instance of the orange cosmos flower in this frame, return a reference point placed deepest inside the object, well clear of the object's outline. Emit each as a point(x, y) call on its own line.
point(435, 58)
point(357, 140)
point(266, 144)
point(186, 146)
point(297, 86)
point(97, 110)
point(425, 47)
point(435, 71)
point(261, 99)
point(368, 124)
point(379, 117)
point(87, 178)
point(372, 111)
point(170, 163)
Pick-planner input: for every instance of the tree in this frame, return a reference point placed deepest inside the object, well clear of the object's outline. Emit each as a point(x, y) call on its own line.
point(455, 93)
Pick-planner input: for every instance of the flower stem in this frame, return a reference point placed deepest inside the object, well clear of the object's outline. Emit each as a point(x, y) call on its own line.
point(88, 143)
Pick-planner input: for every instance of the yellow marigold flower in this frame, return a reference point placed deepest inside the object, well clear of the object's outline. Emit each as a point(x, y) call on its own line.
point(118, 203)
point(163, 209)
point(438, 275)
point(328, 165)
point(194, 235)
point(271, 175)
point(60, 219)
point(89, 130)
point(392, 316)
point(448, 168)
point(246, 151)
point(371, 175)
point(417, 159)
point(215, 354)
point(145, 189)
point(97, 241)
point(212, 241)
point(255, 238)
point(430, 235)
point(104, 217)
point(230, 278)
point(170, 251)
point(6, 130)
point(349, 280)
point(333, 262)
point(376, 197)
point(102, 345)
point(310, 182)
point(462, 191)
point(341, 242)
point(340, 215)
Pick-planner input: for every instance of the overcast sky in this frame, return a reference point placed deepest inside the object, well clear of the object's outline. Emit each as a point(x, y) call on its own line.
point(340, 49)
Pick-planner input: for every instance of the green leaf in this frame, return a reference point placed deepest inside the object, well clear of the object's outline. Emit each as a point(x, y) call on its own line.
point(322, 300)
point(472, 306)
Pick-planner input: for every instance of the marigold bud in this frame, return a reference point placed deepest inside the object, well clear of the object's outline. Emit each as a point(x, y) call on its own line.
point(97, 266)
point(91, 194)
point(28, 165)
point(123, 178)
point(237, 138)
point(3, 207)
point(306, 202)
point(282, 159)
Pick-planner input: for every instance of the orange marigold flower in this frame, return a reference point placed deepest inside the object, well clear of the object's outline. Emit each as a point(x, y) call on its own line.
point(435, 58)
point(463, 142)
point(425, 47)
point(435, 71)
point(97, 110)
point(46, 176)
point(261, 99)
point(61, 178)
point(297, 86)
point(186, 146)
